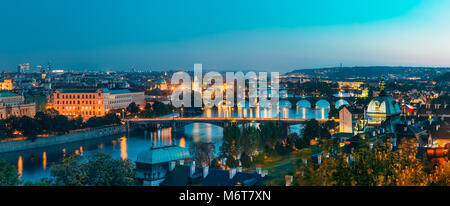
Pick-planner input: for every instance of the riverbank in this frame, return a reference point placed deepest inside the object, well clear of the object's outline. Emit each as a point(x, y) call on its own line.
point(13, 146)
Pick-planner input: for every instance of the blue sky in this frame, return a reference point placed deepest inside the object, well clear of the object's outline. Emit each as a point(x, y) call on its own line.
point(231, 34)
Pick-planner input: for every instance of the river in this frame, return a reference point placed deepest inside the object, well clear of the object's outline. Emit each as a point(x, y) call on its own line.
point(36, 163)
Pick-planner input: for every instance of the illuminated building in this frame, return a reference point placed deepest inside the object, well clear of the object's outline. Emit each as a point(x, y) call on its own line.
point(365, 92)
point(153, 165)
point(22, 68)
point(350, 85)
point(118, 99)
point(12, 104)
point(162, 84)
point(345, 121)
point(382, 107)
point(92, 102)
point(6, 84)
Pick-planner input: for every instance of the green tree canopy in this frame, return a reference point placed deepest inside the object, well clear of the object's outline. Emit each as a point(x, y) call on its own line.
point(8, 174)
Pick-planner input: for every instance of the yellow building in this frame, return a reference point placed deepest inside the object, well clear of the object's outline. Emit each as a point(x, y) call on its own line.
point(349, 85)
point(78, 102)
point(6, 84)
point(92, 102)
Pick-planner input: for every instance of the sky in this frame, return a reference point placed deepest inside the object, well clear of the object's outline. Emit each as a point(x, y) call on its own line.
point(280, 35)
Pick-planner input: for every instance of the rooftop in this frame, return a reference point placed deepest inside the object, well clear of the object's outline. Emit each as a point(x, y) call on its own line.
point(163, 154)
point(8, 94)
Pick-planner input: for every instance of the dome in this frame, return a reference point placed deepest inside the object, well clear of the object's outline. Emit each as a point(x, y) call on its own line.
point(383, 105)
point(161, 81)
point(163, 154)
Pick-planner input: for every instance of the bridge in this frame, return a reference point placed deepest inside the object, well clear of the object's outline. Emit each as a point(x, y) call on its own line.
point(311, 101)
point(219, 121)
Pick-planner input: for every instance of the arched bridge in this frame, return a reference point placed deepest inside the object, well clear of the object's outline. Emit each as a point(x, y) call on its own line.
point(317, 102)
point(219, 121)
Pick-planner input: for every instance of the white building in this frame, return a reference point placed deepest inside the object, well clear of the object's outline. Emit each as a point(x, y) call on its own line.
point(118, 99)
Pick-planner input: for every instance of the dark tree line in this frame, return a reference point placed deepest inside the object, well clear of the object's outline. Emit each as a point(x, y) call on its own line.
point(51, 123)
point(157, 109)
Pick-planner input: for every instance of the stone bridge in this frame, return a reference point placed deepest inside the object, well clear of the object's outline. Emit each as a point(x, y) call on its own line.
point(311, 101)
point(175, 122)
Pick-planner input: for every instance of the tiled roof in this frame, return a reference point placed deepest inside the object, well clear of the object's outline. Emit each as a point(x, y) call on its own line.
point(119, 91)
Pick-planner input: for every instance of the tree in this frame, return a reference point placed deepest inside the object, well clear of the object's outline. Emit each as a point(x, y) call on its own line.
point(111, 119)
point(8, 174)
point(148, 111)
point(311, 130)
point(246, 160)
point(70, 172)
point(271, 134)
point(132, 108)
point(230, 148)
point(203, 152)
point(99, 170)
point(160, 108)
point(102, 170)
point(249, 140)
point(45, 121)
point(61, 124)
point(4, 130)
point(215, 163)
point(29, 127)
point(379, 166)
point(93, 122)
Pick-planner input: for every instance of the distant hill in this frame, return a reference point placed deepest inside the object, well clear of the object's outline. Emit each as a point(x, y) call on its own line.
point(360, 72)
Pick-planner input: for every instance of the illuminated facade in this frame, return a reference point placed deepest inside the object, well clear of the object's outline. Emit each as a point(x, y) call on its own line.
point(350, 85)
point(345, 121)
point(78, 102)
point(382, 107)
point(118, 99)
point(6, 85)
point(12, 104)
point(92, 102)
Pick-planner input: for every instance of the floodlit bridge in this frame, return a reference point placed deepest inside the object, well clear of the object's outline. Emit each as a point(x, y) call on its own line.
point(219, 121)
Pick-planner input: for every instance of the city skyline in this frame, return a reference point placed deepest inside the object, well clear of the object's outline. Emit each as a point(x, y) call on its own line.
point(224, 36)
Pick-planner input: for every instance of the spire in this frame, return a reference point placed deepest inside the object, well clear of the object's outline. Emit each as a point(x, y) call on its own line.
point(382, 87)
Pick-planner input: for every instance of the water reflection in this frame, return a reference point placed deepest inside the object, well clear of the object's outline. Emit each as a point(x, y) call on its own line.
point(123, 148)
point(36, 164)
point(20, 166)
point(44, 160)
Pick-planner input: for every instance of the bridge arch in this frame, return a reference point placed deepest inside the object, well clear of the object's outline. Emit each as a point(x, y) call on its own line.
point(322, 104)
point(303, 103)
point(341, 102)
point(265, 104)
point(284, 104)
